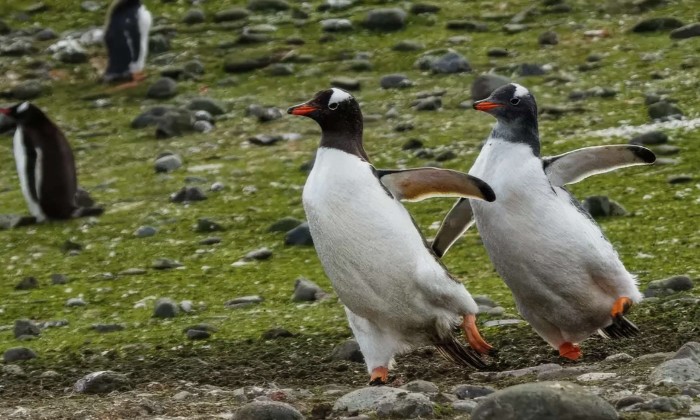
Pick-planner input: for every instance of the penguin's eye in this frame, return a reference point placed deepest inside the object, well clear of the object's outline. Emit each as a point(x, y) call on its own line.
point(333, 105)
point(514, 101)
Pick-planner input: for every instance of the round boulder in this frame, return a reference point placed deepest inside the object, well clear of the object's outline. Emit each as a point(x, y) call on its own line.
point(267, 410)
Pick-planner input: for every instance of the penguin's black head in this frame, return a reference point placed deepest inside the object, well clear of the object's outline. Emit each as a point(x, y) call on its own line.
point(22, 112)
point(511, 103)
point(332, 109)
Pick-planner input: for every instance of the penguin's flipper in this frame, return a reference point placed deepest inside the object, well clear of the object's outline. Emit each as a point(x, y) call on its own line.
point(621, 327)
point(455, 352)
point(457, 221)
point(421, 183)
point(574, 166)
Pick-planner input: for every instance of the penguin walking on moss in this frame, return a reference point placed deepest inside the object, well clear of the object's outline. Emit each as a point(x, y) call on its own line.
point(45, 167)
point(126, 38)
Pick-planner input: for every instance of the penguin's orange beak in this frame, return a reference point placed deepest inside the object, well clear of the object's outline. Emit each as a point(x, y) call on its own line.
point(486, 105)
point(303, 109)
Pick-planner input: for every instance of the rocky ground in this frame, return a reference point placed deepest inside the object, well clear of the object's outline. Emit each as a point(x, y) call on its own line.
point(197, 294)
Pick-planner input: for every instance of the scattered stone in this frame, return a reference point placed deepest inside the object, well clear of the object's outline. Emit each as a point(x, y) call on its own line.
point(27, 283)
point(676, 371)
point(530, 69)
point(163, 88)
point(203, 126)
point(432, 103)
point(412, 144)
point(348, 350)
point(168, 163)
point(232, 14)
point(284, 224)
point(466, 25)
point(182, 396)
point(102, 382)
point(107, 328)
point(45, 35)
point(385, 20)
point(307, 291)
point(424, 8)
point(275, 333)
point(258, 255)
point(193, 17)
point(659, 405)
point(407, 406)
point(59, 279)
point(238, 64)
point(75, 302)
point(666, 150)
point(602, 206)
point(543, 401)
point(268, 5)
point(346, 83)
point(421, 386)
point(207, 225)
point(16, 354)
point(619, 358)
point(596, 376)
point(664, 110)
point(687, 31)
point(217, 186)
point(267, 410)
point(366, 399)
point(188, 194)
point(336, 25)
point(469, 392)
point(514, 28)
point(280, 69)
point(657, 24)
point(25, 327)
point(689, 350)
point(212, 106)
point(679, 179)
point(450, 63)
point(668, 286)
point(145, 232)
point(242, 302)
point(394, 81)
point(650, 138)
point(300, 236)
point(212, 240)
point(28, 90)
point(264, 114)
point(264, 139)
point(548, 38)
point(485, 84)
point(408, 46)
point(13, 370)
point(197, 334)
point(627, 401)
point(165, 308)
point(165, 264)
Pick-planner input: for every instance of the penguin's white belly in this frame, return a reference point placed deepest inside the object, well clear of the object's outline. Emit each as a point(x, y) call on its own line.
point(372, 251)
point(20, 153)
point(144, 21)
point(555, 260)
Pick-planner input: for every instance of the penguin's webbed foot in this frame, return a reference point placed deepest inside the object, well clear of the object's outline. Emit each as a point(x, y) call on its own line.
point(471, 333)
point(570, 351)
point(380, 376)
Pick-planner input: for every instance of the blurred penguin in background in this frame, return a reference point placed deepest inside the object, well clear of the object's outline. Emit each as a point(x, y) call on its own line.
point(126, 38)
point(46, 168)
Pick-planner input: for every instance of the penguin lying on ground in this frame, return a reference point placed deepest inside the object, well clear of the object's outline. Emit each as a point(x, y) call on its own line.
point(396, 293)
point(126, 38)
point(566, 278)
point(45, 166)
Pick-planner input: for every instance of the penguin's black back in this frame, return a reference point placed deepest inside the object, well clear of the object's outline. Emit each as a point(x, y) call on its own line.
point(122, 38)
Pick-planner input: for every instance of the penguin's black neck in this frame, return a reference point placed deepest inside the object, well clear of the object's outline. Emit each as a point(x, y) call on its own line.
point(344, 134)
point(519, 131)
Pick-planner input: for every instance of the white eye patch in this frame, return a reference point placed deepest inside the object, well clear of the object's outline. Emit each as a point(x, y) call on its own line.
point(23, 107)
point(520, 91)
point(337, 97)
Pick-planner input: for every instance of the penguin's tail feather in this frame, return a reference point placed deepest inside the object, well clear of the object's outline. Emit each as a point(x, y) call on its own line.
point(88, 211)
point(620, 328)
point(454, 351)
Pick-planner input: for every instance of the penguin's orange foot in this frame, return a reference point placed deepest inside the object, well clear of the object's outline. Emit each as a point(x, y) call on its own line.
point(620, 307)
point(570, 351)
point(138, 76)
point(380, 376)
point(471, 333)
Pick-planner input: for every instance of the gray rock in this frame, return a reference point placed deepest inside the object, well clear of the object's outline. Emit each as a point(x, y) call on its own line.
point(268, 5)
point(689, 350)
point(27, 283)
point(264, 114)
point(165, 308)
point(102, 382)
point(16, 354)
point(275, 333)
point(45, 35)
point(242, 302)
point(530, 69)
point(205, 225)
point(485, 84)
point(17, 48)
point(193, 334)
point(348, 350)
point(657, 24)
point(258, 254)
point(466, 25)
point(165, 264)
point(602, 206)
point(432, 103)
point(408, 45)
point(59, 279)
point(406, 406)
point(366, 399)
point(158, 43)
point(194, 67)
point(284, 224)
point(280, 69)
point(25, 91)
point(228, 15)
point(514, 28)
point(672, 284)
point(300, 236)
point(544, 401)
point(464, 406)
point(386, 20)
point(236, 64)
point(168, 163)
point(424, 8)
point(307, 291)
point(336, 25)
point(209, 105)
point(687, 31)
point(75, 302)
point(188, 194)
point(212, 240)
point(627, 401)
point(659, 405)
point(394, 81)
point(548, 38)
point(264, 139)
point(202, 126)
point(107, 328)
point(497, 52)
point(675, 372)
point(193, 17)
point(450, 63)
point(13, 370)
point(346, 83)
point(163, 88)
point(25, 327)
point(421, 386)
point(664, 110)
point(70, 52)
point(650, 138)
point(679, 179)
point(468, 391)
point(267, 410)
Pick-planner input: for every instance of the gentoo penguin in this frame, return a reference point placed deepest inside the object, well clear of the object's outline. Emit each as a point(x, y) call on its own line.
point(45, 166)
point(396, 293)
point(126, 38)
point(566, 278)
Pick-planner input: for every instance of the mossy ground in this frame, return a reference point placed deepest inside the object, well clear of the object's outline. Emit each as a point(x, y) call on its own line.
point(659, 238)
